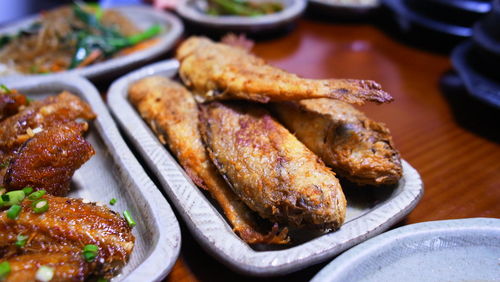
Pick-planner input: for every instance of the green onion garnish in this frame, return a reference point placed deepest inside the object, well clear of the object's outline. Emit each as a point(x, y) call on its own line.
point(4, 269)
point(12, 198)
point(102, 280)
point(90, 252)
point(14, 211)
point(4, 88)
point(44, 273)
point(129, 219)
point(40, 206)
point(37, 195)
point(4, 164)
point(21, 240)
point(112, 202)
point(27, 190)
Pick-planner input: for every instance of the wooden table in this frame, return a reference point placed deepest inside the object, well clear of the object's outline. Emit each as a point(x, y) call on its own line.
point(451, 139)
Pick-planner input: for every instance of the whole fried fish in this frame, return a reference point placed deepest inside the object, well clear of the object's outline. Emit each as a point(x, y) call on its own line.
point(218, 71)
point(355, 146)
point(56, 238)
point(269, 169)
point(169, 108)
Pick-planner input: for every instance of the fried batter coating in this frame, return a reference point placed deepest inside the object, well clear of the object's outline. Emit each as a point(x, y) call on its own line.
point(355, 146)
point(64, 107)
point(219, 71)
point(49, 159)
point(57, 237)
point(172, 113)
point(269, 169)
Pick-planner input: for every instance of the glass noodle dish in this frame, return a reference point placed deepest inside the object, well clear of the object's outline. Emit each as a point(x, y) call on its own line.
point(70, 37)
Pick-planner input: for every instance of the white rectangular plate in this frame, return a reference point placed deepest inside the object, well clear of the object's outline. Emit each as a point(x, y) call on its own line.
point(368, 214)
point(114, 172)
point(141, 16)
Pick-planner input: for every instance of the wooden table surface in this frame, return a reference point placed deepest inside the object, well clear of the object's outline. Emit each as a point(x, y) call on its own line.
point(451, 139)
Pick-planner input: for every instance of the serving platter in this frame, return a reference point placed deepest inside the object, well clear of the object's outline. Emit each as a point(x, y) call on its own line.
point(191, 11)
point(114, 172)
point(447, 250)
point(369, 212)
point(141, 16)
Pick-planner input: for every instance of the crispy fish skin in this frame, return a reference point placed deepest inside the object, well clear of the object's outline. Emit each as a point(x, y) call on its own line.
point(269, 169)
point(169, 108)
point(356, 147)
point(218, 71)
point(67, 226)
point(49, 159)
point(64, 107)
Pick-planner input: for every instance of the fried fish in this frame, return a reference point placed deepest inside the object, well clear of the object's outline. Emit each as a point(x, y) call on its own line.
point(219, 71)
point(356, 147)
point(171, 111)
point(269, 169)
point(56, 238)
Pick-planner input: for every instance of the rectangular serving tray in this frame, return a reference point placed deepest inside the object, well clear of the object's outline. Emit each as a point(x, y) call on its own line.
point(114, 172)
point(368, 213)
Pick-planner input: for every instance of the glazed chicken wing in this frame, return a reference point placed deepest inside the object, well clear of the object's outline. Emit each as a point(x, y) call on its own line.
point(18, 128)
point(49, 159)
point(172, 113)
point(10, 103)
point(218, 71)
point(355, 146)
point(269, 169)
point(56, 238)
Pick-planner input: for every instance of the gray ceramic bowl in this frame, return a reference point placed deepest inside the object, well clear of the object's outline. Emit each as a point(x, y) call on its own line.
point(448, 250)
point(369, 211)
point(114, 172)
point(143, 17)
point(192, 11)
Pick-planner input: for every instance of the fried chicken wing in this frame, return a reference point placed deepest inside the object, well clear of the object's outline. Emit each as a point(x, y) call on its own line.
point(10, 103)
point(355, 146)
point(49, 159)
point(219, 71)
point(64, 107)
point(269, 169)
point(57, 237)
point(172, 113)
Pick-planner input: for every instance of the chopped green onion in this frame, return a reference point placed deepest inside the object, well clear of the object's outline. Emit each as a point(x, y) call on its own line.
point(4, 269)
point(102, 280)
point(147, 34)
point(27, 190)
point(44, 273)
point(40, 206)
point(37, 195)
point(129, 219)
point(90, 252)
point(4, 88)
point(112, 202)
point(21, 240)
point(14, 211)
point(5, 164)
point(12, 198)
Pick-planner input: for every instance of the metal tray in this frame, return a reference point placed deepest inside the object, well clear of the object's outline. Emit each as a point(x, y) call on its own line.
point(143, 17)
point(368, 214)
point(446, 250)
point(114, 172)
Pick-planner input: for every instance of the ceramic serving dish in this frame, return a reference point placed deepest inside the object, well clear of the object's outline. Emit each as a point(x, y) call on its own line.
point(447, 250)
point(369, 212)
point(114, 172)
point(143, 17)
point(193, 12)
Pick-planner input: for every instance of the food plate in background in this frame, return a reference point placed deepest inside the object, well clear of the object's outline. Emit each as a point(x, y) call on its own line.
point(344, 8)
point(191, 11)
point(141, 16)
point(447, 250)
point(114, 172)
point(369, 212)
